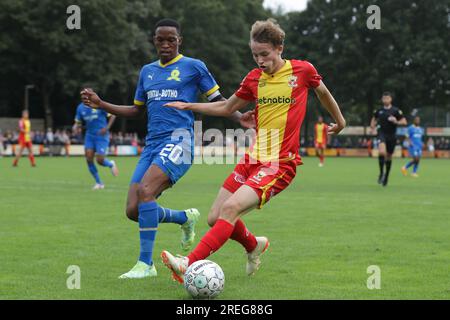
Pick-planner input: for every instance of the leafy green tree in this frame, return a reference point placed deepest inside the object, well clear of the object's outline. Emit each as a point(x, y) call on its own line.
point(37, 47)
point(409, 55)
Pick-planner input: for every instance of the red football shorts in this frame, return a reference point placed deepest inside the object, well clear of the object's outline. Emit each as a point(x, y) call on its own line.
point(267, 179)
point(320, 145)
point(25, 144)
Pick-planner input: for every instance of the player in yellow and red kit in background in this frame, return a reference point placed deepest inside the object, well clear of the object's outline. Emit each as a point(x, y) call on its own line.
point(320, 139)
point(25, 139)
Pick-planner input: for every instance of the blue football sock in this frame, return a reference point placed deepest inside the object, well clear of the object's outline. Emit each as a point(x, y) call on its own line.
point(416, 166)
point(409, 164)
point(166, 215)
point(94, 172)
point(107, 163)
point(148, 225)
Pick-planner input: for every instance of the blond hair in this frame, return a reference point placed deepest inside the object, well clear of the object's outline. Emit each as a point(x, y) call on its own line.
point(267, 31)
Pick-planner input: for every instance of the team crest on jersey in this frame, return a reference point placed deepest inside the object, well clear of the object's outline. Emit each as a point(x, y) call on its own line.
point(175, 75)
point(239, 178)
point(292, 81)
point(262, 83)
point(259, 176)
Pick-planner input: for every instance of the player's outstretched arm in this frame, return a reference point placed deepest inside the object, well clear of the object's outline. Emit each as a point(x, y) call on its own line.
point(75, 126)
point(106, 129)
point(219, 108)
point(21, 127)
point(246, 120)
point(402, 122)
point(111, 122)
point(327, 100)
point(373, 124)
point(91, 99)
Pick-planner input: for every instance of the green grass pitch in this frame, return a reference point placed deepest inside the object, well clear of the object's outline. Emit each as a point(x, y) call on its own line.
point(325, 230)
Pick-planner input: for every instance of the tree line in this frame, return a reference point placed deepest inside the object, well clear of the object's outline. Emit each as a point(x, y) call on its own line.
point(409, 55)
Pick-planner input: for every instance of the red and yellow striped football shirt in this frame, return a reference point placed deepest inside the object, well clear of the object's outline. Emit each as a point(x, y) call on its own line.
point(25, 128)
point(280, 108)
point(320, 133)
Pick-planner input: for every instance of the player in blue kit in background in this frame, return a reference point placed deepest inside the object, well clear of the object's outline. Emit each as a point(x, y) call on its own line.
point(168, 151)
point(414, 136)
point(96, 141)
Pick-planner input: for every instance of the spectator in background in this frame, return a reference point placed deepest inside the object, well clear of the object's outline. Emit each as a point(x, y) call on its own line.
point(127, 139)
point(440, 143)
point(336, 142)
point(348, 143)
point(49, 141)
point(8, 138)
point(15, 137)
point(364, 143)
point(310, 141)
point(369, 146)
point(65, 139)
point(430, 144)
point(57, 137)
point(49, 137)
point(77, 136)
point(2, 140)
point(39, 137)
point(135, 140)
point(120, 138)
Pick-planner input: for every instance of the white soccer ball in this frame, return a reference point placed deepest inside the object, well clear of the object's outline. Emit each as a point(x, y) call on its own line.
point(204, 279)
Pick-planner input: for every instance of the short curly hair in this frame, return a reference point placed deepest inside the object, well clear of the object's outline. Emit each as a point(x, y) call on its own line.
point(267, 31)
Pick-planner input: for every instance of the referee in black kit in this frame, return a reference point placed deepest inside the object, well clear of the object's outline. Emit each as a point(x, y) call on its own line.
point(386, 120)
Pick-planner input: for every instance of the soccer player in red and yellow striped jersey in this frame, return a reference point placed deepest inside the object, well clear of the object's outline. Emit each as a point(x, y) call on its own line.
point(25, 139)
point(320, 139)
point(280, 89)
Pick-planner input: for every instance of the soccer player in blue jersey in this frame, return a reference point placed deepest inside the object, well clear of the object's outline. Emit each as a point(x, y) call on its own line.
point(168, 151)
point(96, 140)
point(414, 136)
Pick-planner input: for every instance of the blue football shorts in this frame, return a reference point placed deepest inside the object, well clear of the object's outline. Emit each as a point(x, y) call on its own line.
point(415, 151)
point(174, 158)
point(98, 143)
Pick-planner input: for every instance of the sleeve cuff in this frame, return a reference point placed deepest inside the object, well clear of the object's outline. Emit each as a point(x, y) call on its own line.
point(212, 90)
point(138, 103)
point(243, 96)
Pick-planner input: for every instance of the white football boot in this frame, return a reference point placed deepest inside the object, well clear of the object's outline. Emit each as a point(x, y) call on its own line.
point(98, 186)
point(187, 229)
point(254, 261)
point(178, 265)
point(139, 271)
point(114, 169)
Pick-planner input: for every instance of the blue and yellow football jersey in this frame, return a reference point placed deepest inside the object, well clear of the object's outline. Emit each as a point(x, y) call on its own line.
point(94, 119)
point(415, 135)
point(181, 79)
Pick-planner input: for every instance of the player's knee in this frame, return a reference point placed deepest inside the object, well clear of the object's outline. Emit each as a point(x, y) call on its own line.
point(100, 161)
point(146, 192)
point(230, 210)
point(212, 217)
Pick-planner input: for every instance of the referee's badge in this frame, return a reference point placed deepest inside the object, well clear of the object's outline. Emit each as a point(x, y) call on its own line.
point(292, 81)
